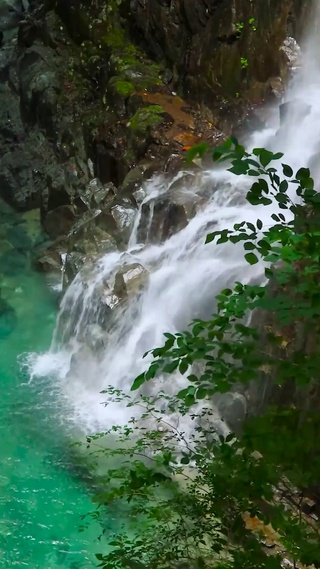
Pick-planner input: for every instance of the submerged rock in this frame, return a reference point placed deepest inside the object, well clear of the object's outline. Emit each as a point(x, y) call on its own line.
point(13, 262)
point(8, 319)
point(95, 338)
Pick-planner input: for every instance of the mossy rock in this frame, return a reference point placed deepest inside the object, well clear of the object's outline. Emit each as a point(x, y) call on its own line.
point(127, 61)
point(123, 88)
point(146, 118)
point(141, 124)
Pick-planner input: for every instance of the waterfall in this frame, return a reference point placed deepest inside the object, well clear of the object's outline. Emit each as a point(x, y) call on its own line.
point(100, 338)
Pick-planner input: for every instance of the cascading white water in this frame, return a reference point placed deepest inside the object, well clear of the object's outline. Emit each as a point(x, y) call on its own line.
point(184, 273)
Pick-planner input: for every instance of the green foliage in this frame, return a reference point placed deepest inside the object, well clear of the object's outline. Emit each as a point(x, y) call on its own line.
point(190, 495)
point(252, 24)
point(239, 27)
point(244, 63)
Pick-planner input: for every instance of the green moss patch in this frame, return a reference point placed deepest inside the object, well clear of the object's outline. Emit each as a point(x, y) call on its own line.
point(145, 118)
point(123, 88)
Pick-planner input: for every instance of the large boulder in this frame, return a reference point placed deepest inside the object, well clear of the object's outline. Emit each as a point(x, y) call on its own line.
point(232, 408)
point(130, 280)
point(39, 86)
point(59, 221)
point(118, 221)
point(168, 213)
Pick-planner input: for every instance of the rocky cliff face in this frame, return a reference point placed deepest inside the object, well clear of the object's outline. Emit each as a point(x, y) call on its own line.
point(217, 49)
point(89, 104)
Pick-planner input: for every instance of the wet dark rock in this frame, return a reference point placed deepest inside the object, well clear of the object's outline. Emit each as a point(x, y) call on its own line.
point(200, 43)
point(136, 176)
point(167, 76)
point(123, 215)
point(91, 236)
point(161, 220)
point(73, 264)
point(253, 122)
point(88, 238)
point(11, 127)
point(40, 87)
point(17, 180)
point(11, 12)
point(50, 262)
point(295, 108)
point(59, 221)
point(232, 408)
point(107, 163)
point(97, 194)
point(169, 213)
point(130, 280)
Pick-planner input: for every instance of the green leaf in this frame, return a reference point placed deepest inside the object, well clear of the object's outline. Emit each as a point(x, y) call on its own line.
point(211, 236)
point(283, 186)
point(287, 170)
point(263, 186)
point(230, 437)
point(259, 224)
point(140, 380)
point(239, 168)
point(266, 157)
point(198, 150)
point(202, 393)
point(282, 198)
point(192, 378)
point(251, 258)
point(222, 150)
point(171, 366)
point(303, 174)
point(257, 151)
point(183, 367)
point(182, 394)
point(185, 460)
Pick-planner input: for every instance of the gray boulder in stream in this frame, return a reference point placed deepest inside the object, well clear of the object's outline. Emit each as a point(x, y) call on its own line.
point(8, 319)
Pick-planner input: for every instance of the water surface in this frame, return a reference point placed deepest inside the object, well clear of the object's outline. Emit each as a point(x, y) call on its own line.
point(42, 496)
